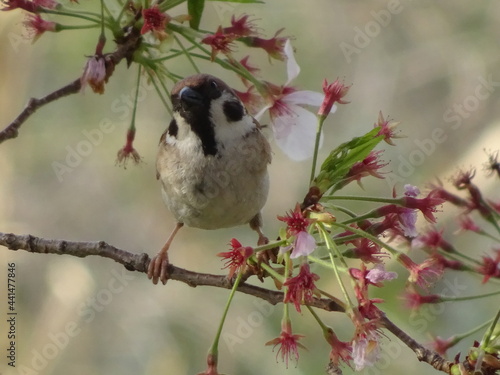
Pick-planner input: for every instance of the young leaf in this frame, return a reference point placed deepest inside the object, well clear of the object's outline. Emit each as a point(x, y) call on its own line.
point(340, 160)
point(195, 10)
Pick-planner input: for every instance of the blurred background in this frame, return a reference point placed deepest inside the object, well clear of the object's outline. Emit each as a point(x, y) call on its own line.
point(433, 66)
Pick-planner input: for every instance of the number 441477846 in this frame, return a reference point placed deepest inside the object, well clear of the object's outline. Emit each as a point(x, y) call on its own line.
point(11, 286)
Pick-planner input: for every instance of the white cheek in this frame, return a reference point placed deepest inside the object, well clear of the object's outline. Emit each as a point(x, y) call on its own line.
point(224, 130)
point(170, 140)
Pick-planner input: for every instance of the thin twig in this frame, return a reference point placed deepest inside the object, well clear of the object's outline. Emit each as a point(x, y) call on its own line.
point(124, 50)
point(12, 130)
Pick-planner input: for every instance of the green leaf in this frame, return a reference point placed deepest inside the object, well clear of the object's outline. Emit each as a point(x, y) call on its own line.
point(341, 159)
point(195, 10)
point(241, 1)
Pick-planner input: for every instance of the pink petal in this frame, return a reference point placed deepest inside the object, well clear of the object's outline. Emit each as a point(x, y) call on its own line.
point(365, 352)
point(295, 134)
point(259, 114)
point(293, 69)
point(304, 245)
point(411, 191)
point(379, 274)
point(408, 220)
point(305, 97)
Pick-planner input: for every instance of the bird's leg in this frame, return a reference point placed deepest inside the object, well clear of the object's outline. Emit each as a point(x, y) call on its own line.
point(267, 255)
point(157, 269)
point(256, 225)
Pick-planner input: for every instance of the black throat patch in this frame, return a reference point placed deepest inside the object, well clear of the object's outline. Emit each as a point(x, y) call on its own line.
point(198, 119)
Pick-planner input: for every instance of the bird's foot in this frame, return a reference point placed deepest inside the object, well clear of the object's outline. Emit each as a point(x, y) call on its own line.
point(158, 268)
point(263, 240)
point(267, 257)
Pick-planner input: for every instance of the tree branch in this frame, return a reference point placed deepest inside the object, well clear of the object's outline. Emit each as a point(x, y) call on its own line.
point(12, 130)
point(423, 354)
point(124, 50)
point(140, 262)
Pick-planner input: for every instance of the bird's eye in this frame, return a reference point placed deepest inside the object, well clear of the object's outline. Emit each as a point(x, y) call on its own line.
point(214, 90)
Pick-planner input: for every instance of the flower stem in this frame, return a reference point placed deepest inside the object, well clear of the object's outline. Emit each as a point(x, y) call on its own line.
point(363, 198)
point(342, 209)
point(242, 72)
point(486, 234)
point(489, 333)
point(286, 316)
point(321, 119)
point(331, 246)
point(369, 215)
point(456, 255)
point(333, 298)
point(270, 245)
point(320, 322)
point(367, 235)
point(464, 335)
point(122, 12)
point(235, 66)
point(175, 53)
point(160, 94)
point(455, 299)
point(134, 109)
point(273, 273)
point(187, 54)
point(215, 345)
point(166, 5)
point(69, 14)
point(76, 27)
point(321, 262)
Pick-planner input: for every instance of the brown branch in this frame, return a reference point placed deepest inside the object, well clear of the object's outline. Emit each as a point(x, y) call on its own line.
point(125, 50)
point(423, 354)
point(140, 262)
point(12, 130)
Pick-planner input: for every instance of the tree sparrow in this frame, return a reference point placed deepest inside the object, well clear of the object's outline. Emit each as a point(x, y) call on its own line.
point(212, 163)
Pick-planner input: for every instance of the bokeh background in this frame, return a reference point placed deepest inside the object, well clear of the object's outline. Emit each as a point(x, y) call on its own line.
point(418, 62)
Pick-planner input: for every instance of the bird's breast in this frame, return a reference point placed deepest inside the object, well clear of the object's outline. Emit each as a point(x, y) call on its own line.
point(215, 191)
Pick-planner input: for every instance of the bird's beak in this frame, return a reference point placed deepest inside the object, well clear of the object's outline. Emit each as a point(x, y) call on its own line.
point(190, 98)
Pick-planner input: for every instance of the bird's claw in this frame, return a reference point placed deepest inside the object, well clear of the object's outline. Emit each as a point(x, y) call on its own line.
point(158, 268)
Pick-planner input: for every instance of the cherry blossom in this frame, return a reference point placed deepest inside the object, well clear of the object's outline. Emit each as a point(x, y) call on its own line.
point(288, 343)
point(301, 287)
point(297, 225)
point(237, 257)
point(128, 151)
point(294, 127)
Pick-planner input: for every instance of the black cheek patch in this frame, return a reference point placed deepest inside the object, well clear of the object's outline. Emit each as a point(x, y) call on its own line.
point(234, 111)
point(173, 128)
